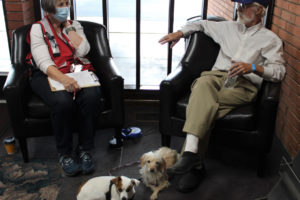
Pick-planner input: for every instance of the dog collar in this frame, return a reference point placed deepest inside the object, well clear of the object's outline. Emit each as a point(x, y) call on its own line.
point(108, 193)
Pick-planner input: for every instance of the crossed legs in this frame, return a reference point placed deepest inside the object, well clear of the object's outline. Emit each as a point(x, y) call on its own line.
point(209, 100)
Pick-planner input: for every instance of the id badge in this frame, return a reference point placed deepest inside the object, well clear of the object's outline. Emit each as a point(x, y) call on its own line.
point(76, 67)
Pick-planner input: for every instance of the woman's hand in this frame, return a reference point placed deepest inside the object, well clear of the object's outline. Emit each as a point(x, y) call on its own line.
point(70, 84)
point(172, 37)
point(66, 24)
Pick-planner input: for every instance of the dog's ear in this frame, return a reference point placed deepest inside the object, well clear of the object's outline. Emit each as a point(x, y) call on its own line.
point(117, 180)
point(143, 159)
point(135, 182)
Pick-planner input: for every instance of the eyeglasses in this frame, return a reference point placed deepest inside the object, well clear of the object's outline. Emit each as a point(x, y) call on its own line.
point(245, 6)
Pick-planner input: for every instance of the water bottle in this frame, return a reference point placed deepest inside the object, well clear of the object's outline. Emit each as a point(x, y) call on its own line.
point(230, 81)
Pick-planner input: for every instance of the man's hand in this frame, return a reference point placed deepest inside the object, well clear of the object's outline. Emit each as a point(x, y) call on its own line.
point(240, 68)
point(171, 37)
point(70, 84)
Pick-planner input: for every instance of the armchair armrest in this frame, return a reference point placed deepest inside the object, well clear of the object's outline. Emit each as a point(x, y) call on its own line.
point(15, 91)
point(267, 109)
point(113, 86)
point(270, 93)
point(175, 86)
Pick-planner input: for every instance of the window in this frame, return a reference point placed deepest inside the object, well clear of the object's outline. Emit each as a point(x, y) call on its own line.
point(122, 37)
point(89, 10)
point(5, 63)
point(146, 68)
point(152, 60)
point(183, 11)
point(154, 25)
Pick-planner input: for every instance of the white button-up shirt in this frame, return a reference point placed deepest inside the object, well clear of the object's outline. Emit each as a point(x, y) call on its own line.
point(254, 45)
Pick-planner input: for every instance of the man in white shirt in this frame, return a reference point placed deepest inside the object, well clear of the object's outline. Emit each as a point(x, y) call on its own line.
point(248, 54)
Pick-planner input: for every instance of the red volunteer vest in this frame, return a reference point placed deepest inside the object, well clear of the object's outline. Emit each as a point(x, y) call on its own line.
point(60, 50)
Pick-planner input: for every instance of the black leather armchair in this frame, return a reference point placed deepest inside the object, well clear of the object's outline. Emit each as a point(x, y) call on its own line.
point(250, 127)
point(30, 117)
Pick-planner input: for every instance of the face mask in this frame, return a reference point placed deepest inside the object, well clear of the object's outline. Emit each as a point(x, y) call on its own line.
point(61, 14)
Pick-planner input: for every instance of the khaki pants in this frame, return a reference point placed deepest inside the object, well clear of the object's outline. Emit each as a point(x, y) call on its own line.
point(210, 100)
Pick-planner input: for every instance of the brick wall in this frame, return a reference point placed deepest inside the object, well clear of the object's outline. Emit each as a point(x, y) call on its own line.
point(286, 23)
point(18, 13)
point(221, 8)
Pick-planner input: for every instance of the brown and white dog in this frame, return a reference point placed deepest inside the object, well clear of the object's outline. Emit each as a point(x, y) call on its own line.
point(153, 168)
point(108, 188)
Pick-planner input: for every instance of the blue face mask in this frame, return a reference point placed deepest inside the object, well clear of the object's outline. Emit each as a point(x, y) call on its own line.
point(61, 14)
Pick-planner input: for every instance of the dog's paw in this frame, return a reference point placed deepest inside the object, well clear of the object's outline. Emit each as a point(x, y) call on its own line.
point(135, 182)
point(153, 197)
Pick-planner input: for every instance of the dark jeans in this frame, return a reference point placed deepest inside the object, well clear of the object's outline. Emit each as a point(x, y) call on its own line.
point(86, 107)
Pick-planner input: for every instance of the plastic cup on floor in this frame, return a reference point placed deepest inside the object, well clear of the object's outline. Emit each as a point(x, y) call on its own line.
point(10, 145)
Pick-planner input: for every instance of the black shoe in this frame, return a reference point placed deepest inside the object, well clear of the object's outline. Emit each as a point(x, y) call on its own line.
point(190, 181)
point(86, 161)
point(69, 165)
point(187, 162)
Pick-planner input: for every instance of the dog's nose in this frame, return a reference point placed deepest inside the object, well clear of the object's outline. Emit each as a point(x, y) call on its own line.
point(152, 170)
point(124, 198)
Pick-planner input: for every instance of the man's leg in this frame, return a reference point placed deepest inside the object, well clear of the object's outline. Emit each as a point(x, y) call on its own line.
point(200, 114)
point(243, 93)
point(209, 100)
point(227, 99)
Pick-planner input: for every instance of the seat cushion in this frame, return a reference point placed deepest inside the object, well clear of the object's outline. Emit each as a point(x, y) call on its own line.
point(36, 108)
point(241, 118)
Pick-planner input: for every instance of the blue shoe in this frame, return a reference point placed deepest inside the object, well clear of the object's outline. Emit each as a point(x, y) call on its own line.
point(86, 161)
point(131, 132)
point(69, 165)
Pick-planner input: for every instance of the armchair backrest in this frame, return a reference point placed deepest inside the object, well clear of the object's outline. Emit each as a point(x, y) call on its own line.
point(20, 47)
point(201, 54)
point(96, 34)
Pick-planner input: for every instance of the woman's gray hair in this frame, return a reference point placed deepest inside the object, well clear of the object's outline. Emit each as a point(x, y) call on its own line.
point(49, 6)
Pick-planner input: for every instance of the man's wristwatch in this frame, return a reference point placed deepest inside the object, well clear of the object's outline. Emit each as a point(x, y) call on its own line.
point(70, 28)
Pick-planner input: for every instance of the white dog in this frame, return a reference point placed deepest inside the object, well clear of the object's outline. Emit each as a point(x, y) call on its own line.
point(153, 168)
point(108, 188)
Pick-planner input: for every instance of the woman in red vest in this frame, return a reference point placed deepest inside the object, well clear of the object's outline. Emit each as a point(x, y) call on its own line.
point(57, 45)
